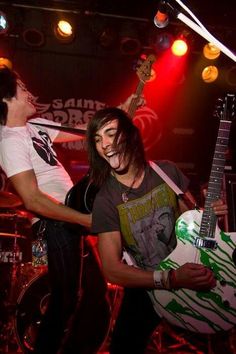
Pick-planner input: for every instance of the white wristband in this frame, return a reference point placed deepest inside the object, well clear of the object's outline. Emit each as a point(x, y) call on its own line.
point(161, 279)
point(157, 279)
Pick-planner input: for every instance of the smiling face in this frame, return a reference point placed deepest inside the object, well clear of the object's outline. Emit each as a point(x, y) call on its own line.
point(108, 149)
point(20, 107)
point(24, 99)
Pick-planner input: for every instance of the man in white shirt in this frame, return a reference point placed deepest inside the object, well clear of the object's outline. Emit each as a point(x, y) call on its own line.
point(29, 161)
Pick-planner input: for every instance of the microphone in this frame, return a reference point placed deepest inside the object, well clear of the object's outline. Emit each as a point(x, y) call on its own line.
point(161, 18)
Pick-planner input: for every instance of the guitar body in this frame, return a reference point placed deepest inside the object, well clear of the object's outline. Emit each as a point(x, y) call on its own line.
point(203, 312)
point(81, 197)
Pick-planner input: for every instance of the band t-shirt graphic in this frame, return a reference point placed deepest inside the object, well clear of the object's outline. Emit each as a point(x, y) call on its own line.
point(149, 234)
point(44, 148)
point(30, 148)
point(146, 220)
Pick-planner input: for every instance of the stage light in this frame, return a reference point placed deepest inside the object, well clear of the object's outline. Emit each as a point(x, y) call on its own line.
point(210, 51)
point(179, 47)
point(64, 31)
point(64, 28)
point(3, 23)
point(129, 46)
point(210, 73)
point(129, 40)
point(5, 62)
point(33, 37)
point(163, 41)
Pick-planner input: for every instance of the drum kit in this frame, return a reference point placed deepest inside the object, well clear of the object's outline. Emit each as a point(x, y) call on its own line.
point(15, 265)
point(24, 286)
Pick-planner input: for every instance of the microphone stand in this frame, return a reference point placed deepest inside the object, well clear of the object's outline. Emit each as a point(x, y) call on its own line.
point(200, 29)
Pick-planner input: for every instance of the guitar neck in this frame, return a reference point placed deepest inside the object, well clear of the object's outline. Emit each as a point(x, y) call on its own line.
point(144, 74)
point(209, 218)
point(134, 102)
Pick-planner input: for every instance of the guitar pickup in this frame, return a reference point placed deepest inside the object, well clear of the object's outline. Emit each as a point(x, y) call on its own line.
point(200, 242)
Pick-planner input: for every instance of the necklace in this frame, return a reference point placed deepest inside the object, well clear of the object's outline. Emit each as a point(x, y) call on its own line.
point(125, 194)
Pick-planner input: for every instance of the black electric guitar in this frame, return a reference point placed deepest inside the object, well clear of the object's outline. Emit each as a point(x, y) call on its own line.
point(82, 194)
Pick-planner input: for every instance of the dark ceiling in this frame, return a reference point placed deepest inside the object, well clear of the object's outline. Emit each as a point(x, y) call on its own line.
point(211, 12)
point(217, 16)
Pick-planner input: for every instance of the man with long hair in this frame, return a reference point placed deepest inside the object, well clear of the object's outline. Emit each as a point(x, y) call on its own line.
point(30, 162)
point(134, 208)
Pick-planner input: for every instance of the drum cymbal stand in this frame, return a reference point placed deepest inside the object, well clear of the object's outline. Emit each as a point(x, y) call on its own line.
point(8, 341)
point(15, 260)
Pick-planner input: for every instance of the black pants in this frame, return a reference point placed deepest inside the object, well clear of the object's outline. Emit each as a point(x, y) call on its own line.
point(64, 274)
point(135, 323)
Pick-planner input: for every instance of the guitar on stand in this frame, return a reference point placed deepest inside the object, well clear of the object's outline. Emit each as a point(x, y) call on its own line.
point(199, 240)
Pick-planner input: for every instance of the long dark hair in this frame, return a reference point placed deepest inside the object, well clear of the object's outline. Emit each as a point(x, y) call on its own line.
point(130, 142)
point(8, 83)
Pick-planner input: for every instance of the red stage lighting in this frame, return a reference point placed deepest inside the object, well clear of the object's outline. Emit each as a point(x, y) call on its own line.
point(179, 47)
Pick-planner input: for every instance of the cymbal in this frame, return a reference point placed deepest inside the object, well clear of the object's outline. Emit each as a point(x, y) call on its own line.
point(23, 214)
point(5, 234)
point(9, 200)
point(17, 215)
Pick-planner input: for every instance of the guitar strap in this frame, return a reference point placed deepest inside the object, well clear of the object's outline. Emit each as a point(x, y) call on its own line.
point(62, 128)
point(170, 183)
point(165, 178)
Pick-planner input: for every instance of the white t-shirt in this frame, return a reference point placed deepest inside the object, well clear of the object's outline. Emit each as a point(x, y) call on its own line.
point(30, 148)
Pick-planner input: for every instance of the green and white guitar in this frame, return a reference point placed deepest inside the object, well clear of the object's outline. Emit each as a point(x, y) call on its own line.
point(199, 240)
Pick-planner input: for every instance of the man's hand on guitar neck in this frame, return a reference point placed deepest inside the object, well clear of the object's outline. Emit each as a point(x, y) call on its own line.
point(193, 276)
point(196, 276)
point(220, 208)
point(126, 105)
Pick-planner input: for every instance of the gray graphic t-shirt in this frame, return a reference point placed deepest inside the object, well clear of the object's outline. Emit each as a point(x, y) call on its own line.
point(147, 219)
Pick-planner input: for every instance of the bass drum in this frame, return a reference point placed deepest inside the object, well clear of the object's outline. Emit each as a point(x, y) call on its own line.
point(92, 320)
point(31, 305)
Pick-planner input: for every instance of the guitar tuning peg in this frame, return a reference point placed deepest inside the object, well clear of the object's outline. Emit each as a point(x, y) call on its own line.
point(136, 64)
point(218, 108)
point(219, 100)
point(216, 114)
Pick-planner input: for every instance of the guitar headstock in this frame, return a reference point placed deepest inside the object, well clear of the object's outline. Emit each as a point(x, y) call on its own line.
point(226, 107)
point(144, 70)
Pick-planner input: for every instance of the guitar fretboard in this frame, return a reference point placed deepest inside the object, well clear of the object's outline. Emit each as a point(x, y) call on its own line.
point(144, 74)
point(209, 218)
point(134, 102)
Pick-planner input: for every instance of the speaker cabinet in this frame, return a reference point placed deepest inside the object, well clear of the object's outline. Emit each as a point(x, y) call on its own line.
point(230, 194)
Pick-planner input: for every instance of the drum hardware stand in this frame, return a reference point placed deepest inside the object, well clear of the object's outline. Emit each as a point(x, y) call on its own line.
point(8, 341)
point(176, 341)
point(15, 263)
